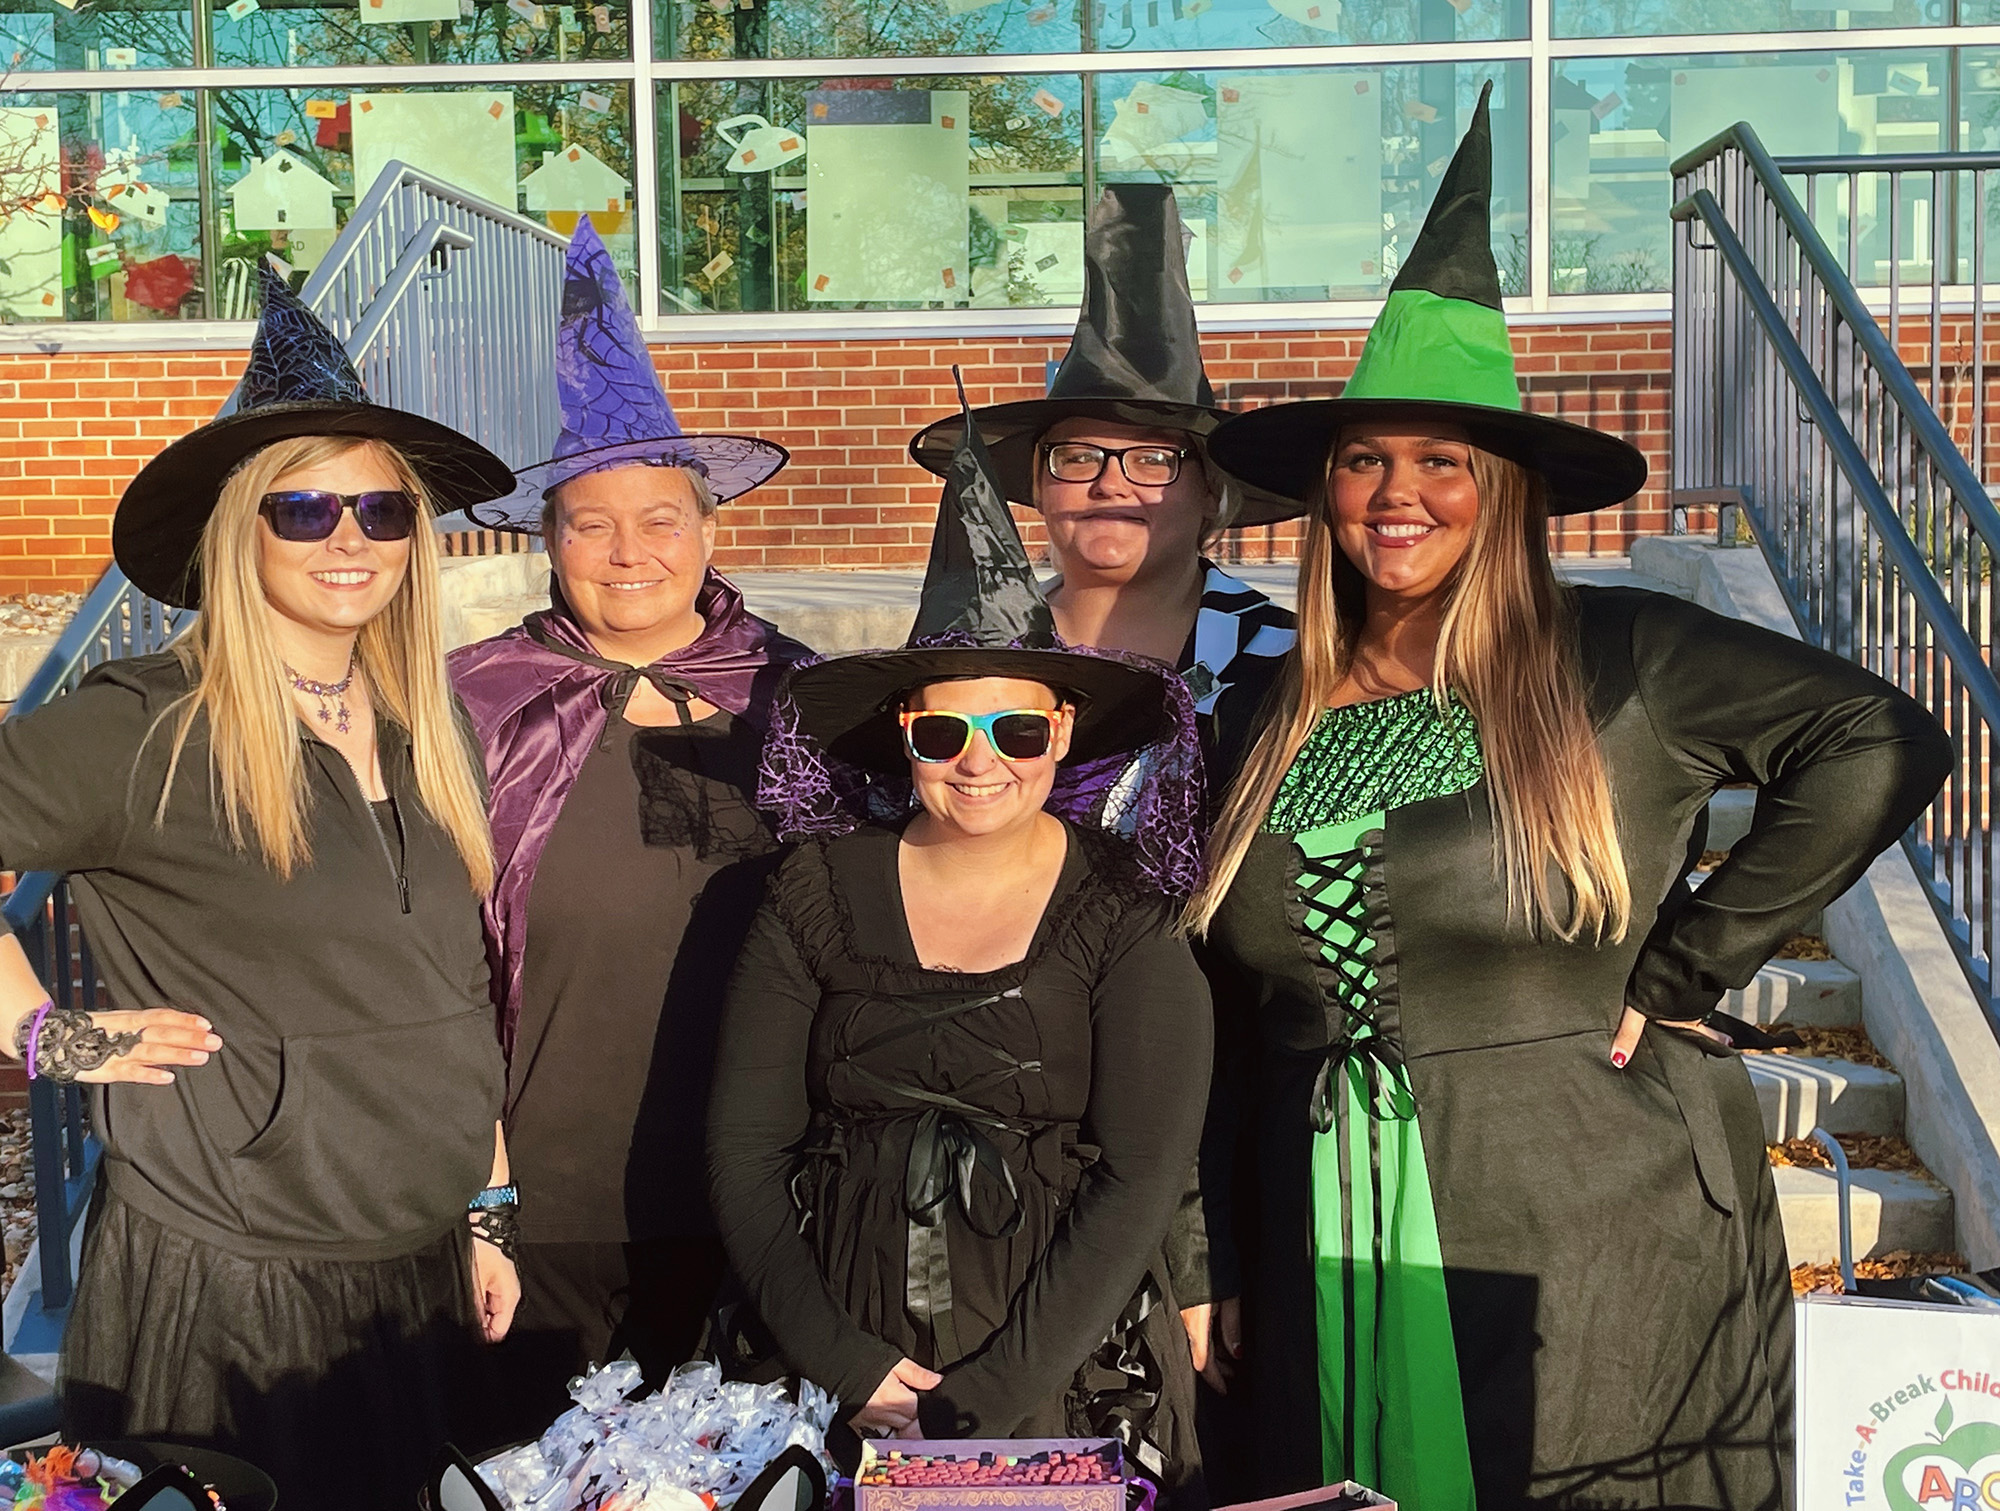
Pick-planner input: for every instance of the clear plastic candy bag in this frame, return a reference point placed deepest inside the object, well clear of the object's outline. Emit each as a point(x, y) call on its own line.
point(697, 1442)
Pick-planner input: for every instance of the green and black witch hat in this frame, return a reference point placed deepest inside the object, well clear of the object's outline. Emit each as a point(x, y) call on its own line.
point(1440, 348)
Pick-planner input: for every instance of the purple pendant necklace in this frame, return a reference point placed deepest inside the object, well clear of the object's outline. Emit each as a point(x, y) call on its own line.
point(332, 695)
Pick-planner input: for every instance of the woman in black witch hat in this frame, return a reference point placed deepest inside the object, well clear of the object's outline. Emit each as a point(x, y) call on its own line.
point(277, 842)
point(1114, 457)
point(960, 1079)
point(1511, 1251)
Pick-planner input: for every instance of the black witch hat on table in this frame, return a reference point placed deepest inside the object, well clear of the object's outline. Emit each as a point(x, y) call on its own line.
point(1439, 348)
point(298, 383)
point(1135, 358)
point(835, 753)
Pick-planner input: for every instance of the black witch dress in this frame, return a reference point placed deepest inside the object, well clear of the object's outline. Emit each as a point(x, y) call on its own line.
point(1486, 1267)
point(974, 1171)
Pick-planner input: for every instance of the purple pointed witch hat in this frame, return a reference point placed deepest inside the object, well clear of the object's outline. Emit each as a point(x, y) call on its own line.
point(614, 411)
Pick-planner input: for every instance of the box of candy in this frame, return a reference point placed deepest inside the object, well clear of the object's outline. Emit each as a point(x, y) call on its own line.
point(1020, 1474)
point(1346, 1496)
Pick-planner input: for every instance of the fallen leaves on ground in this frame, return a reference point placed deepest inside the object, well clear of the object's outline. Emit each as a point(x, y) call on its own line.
point(17, 1192)
point(1803, 947)
point(1824, 1279)
point(37, 613)
point(1865, 1151)
point(1832, 1044)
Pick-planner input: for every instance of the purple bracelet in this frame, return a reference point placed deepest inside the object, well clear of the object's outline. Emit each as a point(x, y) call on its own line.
point(35, 1033)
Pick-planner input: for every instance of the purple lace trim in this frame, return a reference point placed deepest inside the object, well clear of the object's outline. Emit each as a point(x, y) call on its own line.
point(1152, 797)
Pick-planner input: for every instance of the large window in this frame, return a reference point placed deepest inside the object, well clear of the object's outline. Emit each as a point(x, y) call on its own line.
point(748, 166)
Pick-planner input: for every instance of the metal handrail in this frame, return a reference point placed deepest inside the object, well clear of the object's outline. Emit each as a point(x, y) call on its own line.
point(456, 358)
point(1791, 400)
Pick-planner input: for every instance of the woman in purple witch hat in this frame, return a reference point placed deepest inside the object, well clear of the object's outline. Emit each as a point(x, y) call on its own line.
point(622, 728)
point(962, 1067)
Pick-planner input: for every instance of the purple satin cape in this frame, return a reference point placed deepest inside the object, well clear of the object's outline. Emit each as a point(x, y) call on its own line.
point(541, 698)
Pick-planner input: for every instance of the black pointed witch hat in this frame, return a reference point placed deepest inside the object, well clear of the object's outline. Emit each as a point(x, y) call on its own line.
point(1135, 357)
point(1438, 348)
point(298, 383)
point(981, 614)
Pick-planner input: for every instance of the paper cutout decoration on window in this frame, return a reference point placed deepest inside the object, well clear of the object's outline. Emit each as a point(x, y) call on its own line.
point(238, 9)
point(121, 57)
point(756, 146)
point(465, 138)
point(335, 130)
point(162, 284)
point(31, 239)
point(105, 220)
point(1298, 173)
point(141, 204)
point(282, 193)
point(573, 182)
point(102, 260)
point(1150, 117)
point(1795, 109)
point(890, 191)
point(596, 104)
point(717, 265)
point(1323, 15)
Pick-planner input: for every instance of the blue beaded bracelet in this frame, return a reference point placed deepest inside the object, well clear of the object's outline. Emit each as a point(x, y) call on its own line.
point(495, 1196)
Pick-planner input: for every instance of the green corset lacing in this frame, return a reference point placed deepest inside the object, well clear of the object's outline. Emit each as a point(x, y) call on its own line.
point(1391, 1414)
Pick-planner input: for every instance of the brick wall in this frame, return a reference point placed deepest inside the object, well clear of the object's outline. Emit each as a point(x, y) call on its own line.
point(75, 427)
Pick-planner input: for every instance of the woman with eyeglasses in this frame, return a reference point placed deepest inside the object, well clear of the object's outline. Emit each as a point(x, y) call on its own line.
point(276, 837)
point(963, 1058)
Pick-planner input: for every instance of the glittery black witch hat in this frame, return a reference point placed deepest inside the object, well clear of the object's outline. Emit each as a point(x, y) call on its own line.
point(981, 614)
point(298, 383)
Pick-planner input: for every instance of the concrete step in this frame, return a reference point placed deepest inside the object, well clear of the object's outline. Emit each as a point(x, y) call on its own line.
point(1729, 815)
point(1799, 1093)
point(1892, 1210)
point(1814, 993)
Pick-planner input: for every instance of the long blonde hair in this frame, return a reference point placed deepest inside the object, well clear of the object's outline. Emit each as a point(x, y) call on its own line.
point(257, 771)
point(1507, 648)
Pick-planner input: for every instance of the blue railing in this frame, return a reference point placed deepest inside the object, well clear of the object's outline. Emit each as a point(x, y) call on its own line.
point(1792, 403)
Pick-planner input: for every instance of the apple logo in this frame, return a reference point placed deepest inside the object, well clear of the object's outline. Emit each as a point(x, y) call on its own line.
point(1965, 1446)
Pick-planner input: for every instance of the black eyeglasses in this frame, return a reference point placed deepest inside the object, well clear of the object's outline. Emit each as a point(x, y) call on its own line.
point(314, 513)
point(1148, 466)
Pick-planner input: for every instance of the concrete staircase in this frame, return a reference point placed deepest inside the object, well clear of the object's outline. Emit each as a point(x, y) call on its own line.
point(1799, 1093)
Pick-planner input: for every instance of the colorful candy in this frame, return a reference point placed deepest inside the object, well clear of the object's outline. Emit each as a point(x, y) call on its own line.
point(1055, 1467)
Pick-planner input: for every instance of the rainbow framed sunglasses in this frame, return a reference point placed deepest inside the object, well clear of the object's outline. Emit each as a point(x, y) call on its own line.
point(937, 735)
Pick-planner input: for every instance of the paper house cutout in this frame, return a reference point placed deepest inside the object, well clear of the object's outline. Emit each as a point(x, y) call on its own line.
point(575, 179)
point(140, 205)
point(281, 193)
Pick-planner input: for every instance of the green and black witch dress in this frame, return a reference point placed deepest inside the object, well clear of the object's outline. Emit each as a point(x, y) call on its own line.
point(1481, 1266)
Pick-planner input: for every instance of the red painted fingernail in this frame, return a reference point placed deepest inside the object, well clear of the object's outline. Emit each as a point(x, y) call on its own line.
point(1618, 1058)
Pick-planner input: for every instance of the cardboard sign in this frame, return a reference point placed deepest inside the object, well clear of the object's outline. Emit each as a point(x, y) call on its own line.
point(1899, 1406)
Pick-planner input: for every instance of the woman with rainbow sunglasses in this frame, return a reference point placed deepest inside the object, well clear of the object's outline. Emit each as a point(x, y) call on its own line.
point(964, 1056)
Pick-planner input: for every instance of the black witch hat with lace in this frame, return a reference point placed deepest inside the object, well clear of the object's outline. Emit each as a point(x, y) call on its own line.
point(835, 755)
point(298, 383)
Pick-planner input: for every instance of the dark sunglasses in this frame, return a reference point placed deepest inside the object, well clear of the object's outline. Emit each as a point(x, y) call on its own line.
point(934, 735)
point(314, 513)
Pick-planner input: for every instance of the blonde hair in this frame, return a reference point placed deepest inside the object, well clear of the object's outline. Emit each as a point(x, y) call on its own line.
point(257, 771)
point(1507, 648)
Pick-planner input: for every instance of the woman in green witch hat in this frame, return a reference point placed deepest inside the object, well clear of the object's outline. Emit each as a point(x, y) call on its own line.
point(1509, 1250)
